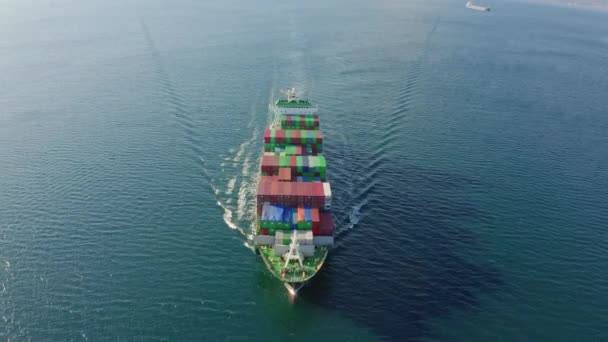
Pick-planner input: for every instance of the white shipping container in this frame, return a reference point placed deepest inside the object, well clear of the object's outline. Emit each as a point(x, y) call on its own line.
point(327, 193)
point(324, 240)
point(264, 240)
point(326, 189)
point(305, 238)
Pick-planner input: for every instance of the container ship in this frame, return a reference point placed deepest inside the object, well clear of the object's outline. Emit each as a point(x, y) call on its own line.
point(470, 5)
point(295, 228)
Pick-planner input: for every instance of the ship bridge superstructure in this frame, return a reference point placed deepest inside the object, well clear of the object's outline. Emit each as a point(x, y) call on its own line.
point(292, 104)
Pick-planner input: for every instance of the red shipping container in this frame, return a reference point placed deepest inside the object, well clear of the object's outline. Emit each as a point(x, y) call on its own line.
point(326, 227)
point(292, 198)
point(305, 193)
point(279, 136)
point(263, 188)
point(302, 189)
point(319, 194)
point(296, 137)
point(267, 136)
point(308, 194)
point(298, 150)
point(290, 193)
point(274, 192)
point(286, 189)
point(319, 137)
point(264, 231)
point(317, 189)
point(270, 164)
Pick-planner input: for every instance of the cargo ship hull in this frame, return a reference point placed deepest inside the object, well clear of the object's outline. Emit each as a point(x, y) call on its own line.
point(294, 227)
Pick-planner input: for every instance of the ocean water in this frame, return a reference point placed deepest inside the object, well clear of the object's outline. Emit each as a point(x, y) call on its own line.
point(467, 154)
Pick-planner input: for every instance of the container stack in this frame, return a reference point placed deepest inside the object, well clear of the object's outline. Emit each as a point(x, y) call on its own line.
point(310, 122)
point(293, 192)
point(293, 141)
point(298, 166)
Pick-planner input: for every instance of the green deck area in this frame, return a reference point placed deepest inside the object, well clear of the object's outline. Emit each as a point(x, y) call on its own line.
point(293, 104)
point(295, 273)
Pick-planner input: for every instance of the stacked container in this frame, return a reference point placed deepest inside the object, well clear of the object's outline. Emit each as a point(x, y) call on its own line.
point(299, 121)
point(300, 166)
point(313, 194)
point(326, 225)
point(286, 142)
point(293, 193)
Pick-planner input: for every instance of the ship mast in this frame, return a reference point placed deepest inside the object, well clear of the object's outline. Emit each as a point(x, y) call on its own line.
point(294, 251)
point(292, 95)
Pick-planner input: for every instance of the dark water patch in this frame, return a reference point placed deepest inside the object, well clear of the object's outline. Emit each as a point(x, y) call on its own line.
point(408, 262)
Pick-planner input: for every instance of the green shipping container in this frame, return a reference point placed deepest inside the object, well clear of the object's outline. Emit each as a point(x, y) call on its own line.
point(284, 161)
point(305, 225)
point(321, 162)
point(288, 136)
point(290, 150)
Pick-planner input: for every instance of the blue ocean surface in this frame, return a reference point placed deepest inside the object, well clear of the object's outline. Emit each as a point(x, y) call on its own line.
point(467, 153)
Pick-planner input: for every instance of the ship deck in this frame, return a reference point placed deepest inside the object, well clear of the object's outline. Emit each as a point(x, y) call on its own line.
point(296, 104)
point(295, 273)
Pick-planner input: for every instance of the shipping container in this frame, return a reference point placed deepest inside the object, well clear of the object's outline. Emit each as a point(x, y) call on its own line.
point(292, 193)
point(326, 226)
point(284, 174)
point(327, 193)
point(289, 121)
point(309, 166)
point(299, 137)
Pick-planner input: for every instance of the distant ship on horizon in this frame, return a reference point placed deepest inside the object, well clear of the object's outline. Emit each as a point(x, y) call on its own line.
point(470, 5)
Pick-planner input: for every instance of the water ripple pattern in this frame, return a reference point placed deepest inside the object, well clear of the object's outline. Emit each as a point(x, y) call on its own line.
point(466, 151)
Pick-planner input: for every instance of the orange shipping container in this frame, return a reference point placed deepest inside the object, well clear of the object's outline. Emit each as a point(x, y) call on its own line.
point(301, 214)
point(284, 174)
point(315, 214)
